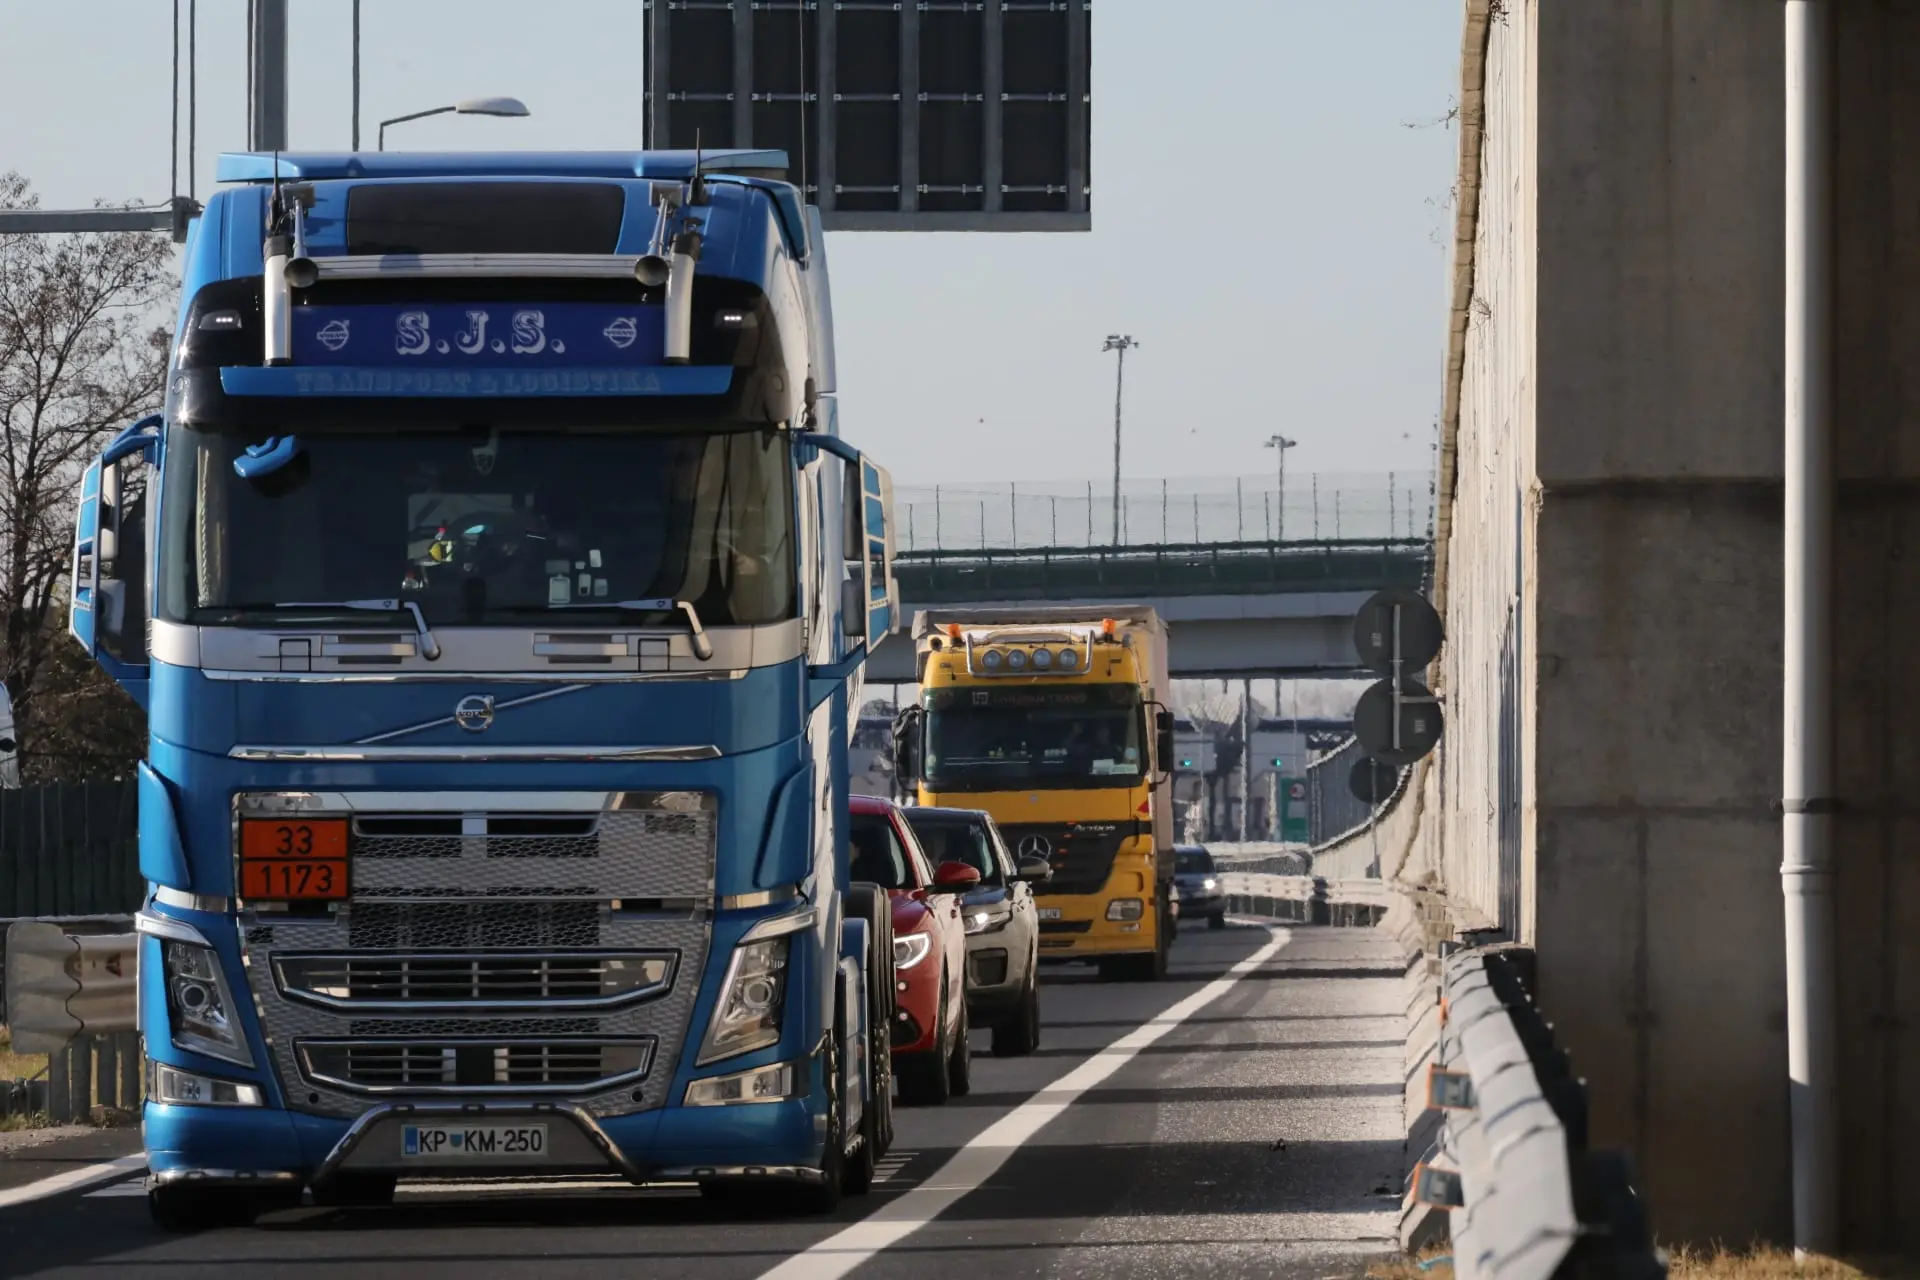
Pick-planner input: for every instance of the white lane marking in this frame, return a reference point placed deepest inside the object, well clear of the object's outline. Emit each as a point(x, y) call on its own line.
point(72, 1180)
point(980, 1159)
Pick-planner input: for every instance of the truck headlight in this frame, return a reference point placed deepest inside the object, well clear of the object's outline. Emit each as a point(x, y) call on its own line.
point(186, 1088)
point(910, 949)
point(751, 1000)
point(200, 1006)
point(1125, 909)
point(988, 919)
point(762, 1084)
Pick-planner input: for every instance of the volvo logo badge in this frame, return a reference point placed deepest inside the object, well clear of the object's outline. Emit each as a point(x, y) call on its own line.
point(474, 713)
point(1035, 847)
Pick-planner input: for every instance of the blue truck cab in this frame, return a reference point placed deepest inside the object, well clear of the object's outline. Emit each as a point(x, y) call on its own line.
point(498, 586)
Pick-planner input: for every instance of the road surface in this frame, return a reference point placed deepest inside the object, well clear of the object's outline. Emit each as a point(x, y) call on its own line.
point(1240, 1119)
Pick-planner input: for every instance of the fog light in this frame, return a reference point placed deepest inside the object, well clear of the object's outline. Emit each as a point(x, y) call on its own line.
point(762, 1084)
point(175, 1087)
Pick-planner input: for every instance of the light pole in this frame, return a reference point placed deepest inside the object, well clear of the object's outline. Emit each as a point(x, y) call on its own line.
point(1280, 445)
point(467, 107)
point(1120, 343)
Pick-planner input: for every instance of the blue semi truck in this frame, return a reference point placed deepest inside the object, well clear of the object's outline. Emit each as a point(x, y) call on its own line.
point(498, 586)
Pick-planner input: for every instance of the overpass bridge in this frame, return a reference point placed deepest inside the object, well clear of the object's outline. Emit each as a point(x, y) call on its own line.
point(1250, 586)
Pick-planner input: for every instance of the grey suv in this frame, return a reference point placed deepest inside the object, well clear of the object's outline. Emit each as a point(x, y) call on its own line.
point(1003, 925)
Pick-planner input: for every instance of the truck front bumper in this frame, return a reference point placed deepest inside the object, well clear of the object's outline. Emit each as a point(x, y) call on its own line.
point(259, 1146)
point(1083, 931)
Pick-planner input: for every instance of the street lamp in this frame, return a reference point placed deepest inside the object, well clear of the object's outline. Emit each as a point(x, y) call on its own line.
point(467, 107)
point(1117, 342)
point(1280, 445)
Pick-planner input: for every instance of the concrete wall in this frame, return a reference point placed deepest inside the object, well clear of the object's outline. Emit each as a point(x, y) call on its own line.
point(1613, 583)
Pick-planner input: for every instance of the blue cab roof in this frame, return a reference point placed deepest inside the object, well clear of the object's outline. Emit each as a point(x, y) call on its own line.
point(302, 166)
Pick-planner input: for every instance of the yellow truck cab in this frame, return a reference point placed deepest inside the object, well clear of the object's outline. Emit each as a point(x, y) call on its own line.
point(1052, 720)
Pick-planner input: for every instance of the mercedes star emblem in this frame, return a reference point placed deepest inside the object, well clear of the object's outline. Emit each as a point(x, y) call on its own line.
point(1035, 847)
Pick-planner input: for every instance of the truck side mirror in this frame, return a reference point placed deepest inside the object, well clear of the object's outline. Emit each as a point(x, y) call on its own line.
point(1164, 746)
point(107, 611)
point(906, 748)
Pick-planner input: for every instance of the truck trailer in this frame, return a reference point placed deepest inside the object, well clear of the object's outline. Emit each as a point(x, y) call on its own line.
point(497, 583)
point(1053, 720)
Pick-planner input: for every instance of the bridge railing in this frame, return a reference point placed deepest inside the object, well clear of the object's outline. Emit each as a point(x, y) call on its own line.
point(1318, 508)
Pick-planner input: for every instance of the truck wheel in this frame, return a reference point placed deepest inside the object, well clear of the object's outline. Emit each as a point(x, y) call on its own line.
point(1019, 1035)
point(824, 1197)
point(182, 1208)
point(960, 1061)
point(870, 902)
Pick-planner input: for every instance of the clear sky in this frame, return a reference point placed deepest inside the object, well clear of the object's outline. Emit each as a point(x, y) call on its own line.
point(1269, 213)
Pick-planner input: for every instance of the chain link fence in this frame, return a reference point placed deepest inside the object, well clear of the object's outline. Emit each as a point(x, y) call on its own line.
point(1315, 508)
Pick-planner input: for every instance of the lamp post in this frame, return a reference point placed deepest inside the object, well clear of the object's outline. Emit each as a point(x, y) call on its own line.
point(1120, 343)
point(1280, 444)
point(467, 107)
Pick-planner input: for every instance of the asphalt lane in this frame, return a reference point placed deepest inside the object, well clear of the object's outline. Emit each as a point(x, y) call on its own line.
point(1241, 1118)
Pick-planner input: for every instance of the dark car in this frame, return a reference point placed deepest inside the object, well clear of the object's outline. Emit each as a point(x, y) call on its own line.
point(929, 950)
point(1197, 882)
point(1003, 924)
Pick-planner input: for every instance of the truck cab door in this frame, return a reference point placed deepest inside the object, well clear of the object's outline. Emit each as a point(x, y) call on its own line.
point(107, 607)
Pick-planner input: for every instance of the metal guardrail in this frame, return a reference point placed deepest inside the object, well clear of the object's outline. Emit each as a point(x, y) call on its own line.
point(1306, 899)
point(1527, 1199)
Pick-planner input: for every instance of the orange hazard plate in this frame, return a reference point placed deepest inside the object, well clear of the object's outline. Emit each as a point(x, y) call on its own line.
point(293, 858)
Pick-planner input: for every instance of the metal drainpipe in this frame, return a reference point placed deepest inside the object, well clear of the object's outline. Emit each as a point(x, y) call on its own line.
point(1806, 868)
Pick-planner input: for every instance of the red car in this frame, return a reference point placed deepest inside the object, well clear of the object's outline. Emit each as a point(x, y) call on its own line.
point(930, 1058)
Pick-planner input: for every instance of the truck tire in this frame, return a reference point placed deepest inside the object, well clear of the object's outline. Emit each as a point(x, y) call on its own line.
point(871, 903)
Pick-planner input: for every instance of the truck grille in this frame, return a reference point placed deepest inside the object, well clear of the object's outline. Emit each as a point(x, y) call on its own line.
point(422, 981)
point(1081, 853)
point(649, 850)
point(551, 945)
point(476, 1064)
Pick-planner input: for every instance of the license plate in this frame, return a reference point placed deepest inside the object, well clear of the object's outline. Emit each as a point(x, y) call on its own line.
point(1049, 913)
point(430, 1142)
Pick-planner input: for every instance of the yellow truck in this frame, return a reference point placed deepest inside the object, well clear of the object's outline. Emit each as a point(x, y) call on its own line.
point(1052, 719)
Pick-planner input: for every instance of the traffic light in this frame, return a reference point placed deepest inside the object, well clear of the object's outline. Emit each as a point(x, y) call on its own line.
point(1279, 762)
point(1186, 762)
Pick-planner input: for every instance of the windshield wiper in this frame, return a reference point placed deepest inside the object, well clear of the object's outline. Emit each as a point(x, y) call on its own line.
point(429, 647)
point(702, 647)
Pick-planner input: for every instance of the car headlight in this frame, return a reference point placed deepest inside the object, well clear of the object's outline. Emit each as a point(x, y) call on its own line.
point(910, 949)
point(761, 1084)
point(1125, 909)
point(1209, 883)
point(988, 919)
point(747, 1016)
point(200, 1007)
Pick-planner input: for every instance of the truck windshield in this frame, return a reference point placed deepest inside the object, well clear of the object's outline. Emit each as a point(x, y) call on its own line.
point(1001, 739)
point(481, 526)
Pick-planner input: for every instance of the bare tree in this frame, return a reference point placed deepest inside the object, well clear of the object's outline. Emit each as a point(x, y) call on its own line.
point(80, 357)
